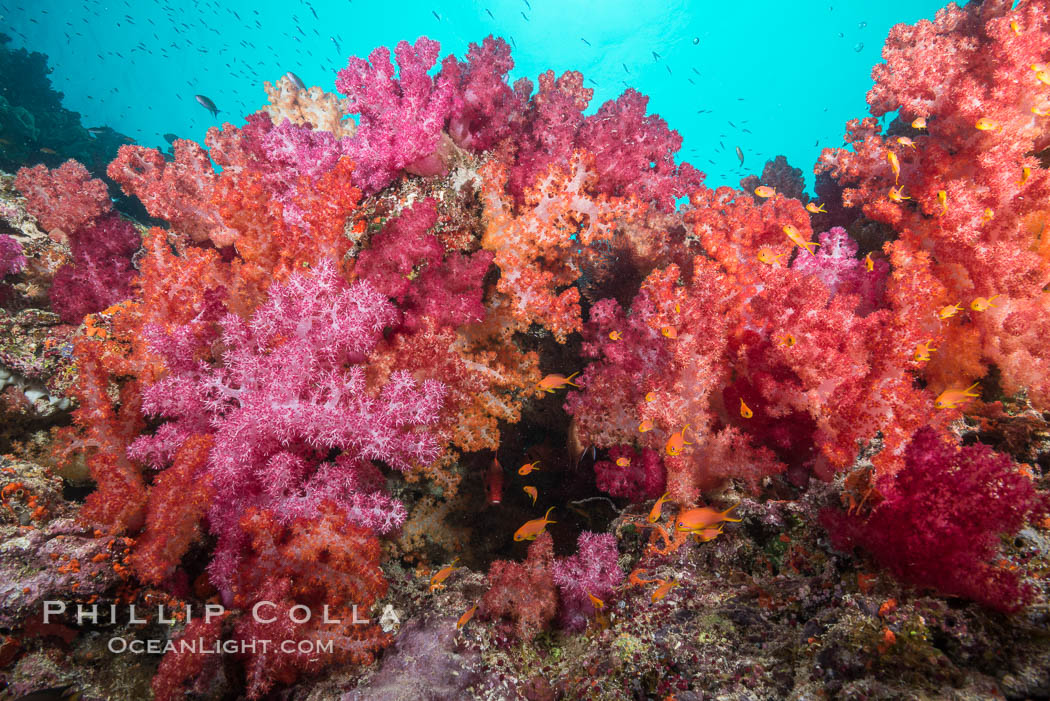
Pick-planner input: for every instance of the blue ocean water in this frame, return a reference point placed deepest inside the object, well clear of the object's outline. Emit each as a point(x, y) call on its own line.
point(768, 77)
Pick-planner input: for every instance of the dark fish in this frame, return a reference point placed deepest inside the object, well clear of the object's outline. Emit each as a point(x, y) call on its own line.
point(436, 15)
point(740, 155)
point(96, 131)
point(625, 67)
point(207, 104)
point(696, 71)
point(336, 44)
point(295, 79)
point(731, 124)
point(656, 56)
point(525, 16)
point(170, 138)
point(490, 13)
point(313, 11)
point(746, 131)
point(527, 5)
point(585, 41)
point(668, 69)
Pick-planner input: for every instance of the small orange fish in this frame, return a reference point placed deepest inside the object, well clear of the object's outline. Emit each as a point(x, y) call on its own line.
point(677, 441)
point(645, 425)
point(1041, 111)
point(531, 491)
point(923, 350)
point(703, 517)
point(442, 575)
point(527, 468)
point(986, 124)
point(897, 195)
point(905, 141)
point(814, 208)
point(768, 256)
point(1016, 27)
point(669, 332)
point(787, 340)
point(918, 123)
point(1043, 77)
point(552, 382)
point(951, 398)
point(1025, 173)
point(988, 213)
point(942, 195)
point(661, 591)
point(895, 165)
point(615, 336)
point(598, 603)
point(533, 528)
point(623, 462)
point(982, 303)
point(466, 617)
point(796, 237)
point(654, 513)
point(869, 264)
point(949, 311)
point(650, 396)
point(764, 191)
point(745, 410)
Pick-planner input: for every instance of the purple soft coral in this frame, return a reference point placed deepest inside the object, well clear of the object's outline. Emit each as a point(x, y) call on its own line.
point(11, 259)
point(592, 570)
point(837, 266)
point(291, 390)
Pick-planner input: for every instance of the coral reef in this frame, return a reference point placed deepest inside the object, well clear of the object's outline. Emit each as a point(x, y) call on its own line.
point(306, 383)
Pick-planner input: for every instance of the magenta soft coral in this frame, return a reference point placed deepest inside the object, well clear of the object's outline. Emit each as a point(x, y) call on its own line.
point(592, 571)
point(642, 478)
point(401, 119)
point(940, 521)
point(524, 591)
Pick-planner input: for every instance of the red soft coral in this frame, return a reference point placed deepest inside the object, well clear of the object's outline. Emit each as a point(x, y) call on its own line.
point(940, 521)
point(65, 198)
point(524, 591)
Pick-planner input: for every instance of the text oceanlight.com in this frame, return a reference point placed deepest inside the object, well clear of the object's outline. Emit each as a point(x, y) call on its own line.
point(218, 647)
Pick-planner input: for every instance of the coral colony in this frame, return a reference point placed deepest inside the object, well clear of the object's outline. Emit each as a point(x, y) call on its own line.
point(328, 313)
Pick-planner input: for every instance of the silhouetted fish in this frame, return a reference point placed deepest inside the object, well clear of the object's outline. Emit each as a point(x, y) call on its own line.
point(585, 41)
point(740, 155)
point(170, 138)
point(296, 79)
point(207, 104)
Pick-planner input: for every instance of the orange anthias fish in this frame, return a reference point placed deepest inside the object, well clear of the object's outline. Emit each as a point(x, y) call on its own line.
point(796, 237)
point(952, 398)
point(533, 528)
point(442, 575)
point(677, 441)
point(669, 332)
point(869, 264)
point(814, 208)
point(1026, 172)
point(897, 195)
point(1015, 27)
point(949, 311)
point(623, 462)
point(986, 124)
point(905, 141)
point(988, 213)
point(531, 491)
point(661, 591)
point(895, 165)
point(615, 336)
point(598, 603)
point(528, 468)
point(788, 340)
point(552, 382)
point(1043, 76)
point(764, 191)
point(923, 350)
point(650, 396)
point(982, 303)
point(695, 520)
point(745, 410)
point(466, 617)
point(706, 535)
point(942, 195)
point(645, 425)
point(768, 256)
point(918, 123)
point(654, 513)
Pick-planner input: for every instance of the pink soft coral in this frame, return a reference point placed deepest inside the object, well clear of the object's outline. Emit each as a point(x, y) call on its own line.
point(65, 198)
